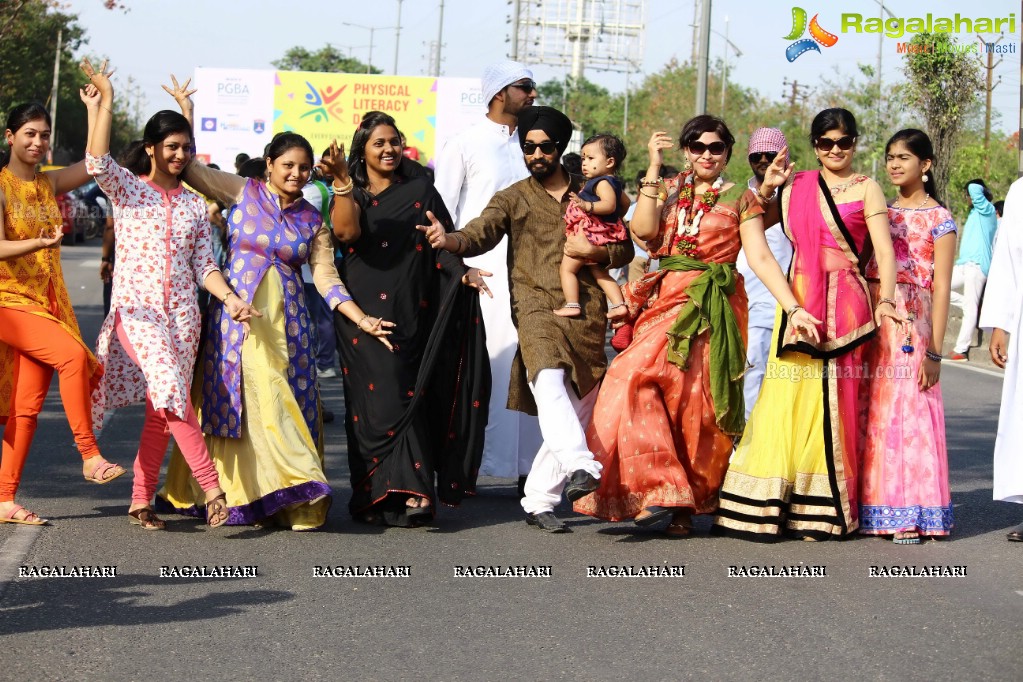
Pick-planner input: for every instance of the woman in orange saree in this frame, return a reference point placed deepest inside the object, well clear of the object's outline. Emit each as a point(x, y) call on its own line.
point(671, 403)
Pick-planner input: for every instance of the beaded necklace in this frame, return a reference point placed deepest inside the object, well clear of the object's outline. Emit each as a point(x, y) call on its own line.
point(685, 236)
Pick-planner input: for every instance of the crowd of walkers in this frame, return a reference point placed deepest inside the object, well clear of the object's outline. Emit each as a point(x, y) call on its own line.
point(780, 340)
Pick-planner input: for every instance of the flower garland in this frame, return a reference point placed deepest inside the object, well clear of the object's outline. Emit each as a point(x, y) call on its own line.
point(685, 236)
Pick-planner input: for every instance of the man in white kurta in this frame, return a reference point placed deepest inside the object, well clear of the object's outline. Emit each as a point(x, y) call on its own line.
point(1002, 316)
point(764, 145)
point(472, 167)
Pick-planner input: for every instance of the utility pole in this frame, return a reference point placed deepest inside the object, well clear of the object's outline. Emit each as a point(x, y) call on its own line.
point(53, 95)
point(988, 88)
point(702, 62)
point(440, 41)
point(796, 93)
point(397, 38)
point(696, 24)
point(514, 54)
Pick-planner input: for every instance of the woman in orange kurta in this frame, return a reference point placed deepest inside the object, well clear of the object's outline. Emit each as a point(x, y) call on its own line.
point(672, 401)
point(38, 329)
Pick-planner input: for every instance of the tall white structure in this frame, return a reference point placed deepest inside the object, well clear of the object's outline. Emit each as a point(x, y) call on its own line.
point(606, 35)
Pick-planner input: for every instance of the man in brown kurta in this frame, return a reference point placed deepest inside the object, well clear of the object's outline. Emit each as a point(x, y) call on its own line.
point(560, 360)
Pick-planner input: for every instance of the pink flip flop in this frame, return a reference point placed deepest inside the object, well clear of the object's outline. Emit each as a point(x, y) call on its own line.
point(9, 517)
point(98, 474)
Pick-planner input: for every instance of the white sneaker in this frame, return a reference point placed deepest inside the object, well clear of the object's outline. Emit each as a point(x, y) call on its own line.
point(328, 373)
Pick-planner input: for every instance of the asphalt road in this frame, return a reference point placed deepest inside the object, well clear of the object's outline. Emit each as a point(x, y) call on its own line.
point(285, 623)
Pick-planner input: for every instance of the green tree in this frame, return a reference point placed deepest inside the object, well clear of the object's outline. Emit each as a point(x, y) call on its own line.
point(328, 59)
point(27, 49)
point(943, 82)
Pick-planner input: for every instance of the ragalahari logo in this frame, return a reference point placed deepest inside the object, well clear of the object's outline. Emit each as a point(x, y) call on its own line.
point(817, 35)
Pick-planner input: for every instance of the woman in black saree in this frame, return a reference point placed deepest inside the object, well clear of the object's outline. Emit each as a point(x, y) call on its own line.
point(419, 410)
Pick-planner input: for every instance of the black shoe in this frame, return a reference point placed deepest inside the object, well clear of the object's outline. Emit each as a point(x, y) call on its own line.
point(522, 487)
point(547, 521)
point(656, 514)
point(1016, 534)
point(328, 416)
point(580, 485)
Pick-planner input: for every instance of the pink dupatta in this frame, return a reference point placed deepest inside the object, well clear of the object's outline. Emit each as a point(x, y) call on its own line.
point(839, 298)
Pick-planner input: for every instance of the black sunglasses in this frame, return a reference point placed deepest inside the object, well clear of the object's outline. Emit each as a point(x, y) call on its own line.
point(527, 87)
point(715, 148)
point(549, 147)
point(826, 144)
point(757, 158)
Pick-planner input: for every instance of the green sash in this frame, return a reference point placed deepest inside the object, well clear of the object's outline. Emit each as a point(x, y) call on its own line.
point(708, 308)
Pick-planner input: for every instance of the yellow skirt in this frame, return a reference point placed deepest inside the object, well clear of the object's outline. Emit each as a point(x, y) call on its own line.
point(274, 472)
point(791, 470)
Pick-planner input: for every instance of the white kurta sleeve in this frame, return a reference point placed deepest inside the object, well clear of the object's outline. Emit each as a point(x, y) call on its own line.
point(1005, 280)
point(450, 177)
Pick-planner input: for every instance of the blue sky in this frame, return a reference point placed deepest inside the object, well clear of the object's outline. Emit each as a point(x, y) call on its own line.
point(157, 37)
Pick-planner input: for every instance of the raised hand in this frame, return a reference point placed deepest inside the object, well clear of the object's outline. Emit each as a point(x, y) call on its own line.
point(100, 78)
point(777, 173)
point(659, 141)
point(334, 163)
point(435, 232)
point(90, 96)
point(181, 94)
point(473, 277)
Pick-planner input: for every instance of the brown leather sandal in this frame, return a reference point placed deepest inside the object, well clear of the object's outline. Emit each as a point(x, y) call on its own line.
point(146, 518)
point(216, 511)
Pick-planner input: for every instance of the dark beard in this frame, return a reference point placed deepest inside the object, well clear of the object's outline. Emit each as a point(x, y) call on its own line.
point(544, 172)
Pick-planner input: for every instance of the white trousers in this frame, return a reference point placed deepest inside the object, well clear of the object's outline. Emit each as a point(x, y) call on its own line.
point(758, 347)
point(563, 418)
point(971, 278)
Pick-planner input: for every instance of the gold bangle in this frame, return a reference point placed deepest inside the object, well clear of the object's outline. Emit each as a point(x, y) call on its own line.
point(227, 296)
point(655, 195)
point(343, 189)
point(650, 183)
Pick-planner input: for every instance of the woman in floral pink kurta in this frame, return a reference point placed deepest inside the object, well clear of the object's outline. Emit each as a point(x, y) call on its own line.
point(904, 489)
point(149, 339)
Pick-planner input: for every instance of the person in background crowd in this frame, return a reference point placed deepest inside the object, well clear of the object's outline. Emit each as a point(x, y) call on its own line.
point(573, 163)
point(970, 271)
point(317, 193)
point(560, 360)
point(415, 416)
point(106, 261)
point(1002, 316)
point(38, 330)
point(904, 492)
point(471, 167)
point(239, 161)
point(764, 146)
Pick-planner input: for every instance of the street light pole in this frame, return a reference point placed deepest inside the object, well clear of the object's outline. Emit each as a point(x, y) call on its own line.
point(397, 38)
point(702, 62)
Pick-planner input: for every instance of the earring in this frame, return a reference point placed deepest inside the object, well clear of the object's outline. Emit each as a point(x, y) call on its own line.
point(687, 165)
point(925, 178)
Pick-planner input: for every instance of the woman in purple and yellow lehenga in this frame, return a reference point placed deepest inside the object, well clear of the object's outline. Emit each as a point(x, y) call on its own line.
point(256, 389)
point(795, 471)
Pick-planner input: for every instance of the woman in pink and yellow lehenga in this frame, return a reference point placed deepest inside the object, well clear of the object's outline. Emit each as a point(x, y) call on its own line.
point(795, 470)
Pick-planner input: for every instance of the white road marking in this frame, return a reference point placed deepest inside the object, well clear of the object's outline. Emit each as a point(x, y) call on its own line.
point(91, 263)
point(972, 368)
point(14, 551)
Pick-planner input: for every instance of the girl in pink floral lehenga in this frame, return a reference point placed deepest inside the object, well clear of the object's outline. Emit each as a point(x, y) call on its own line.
point(904, 477)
